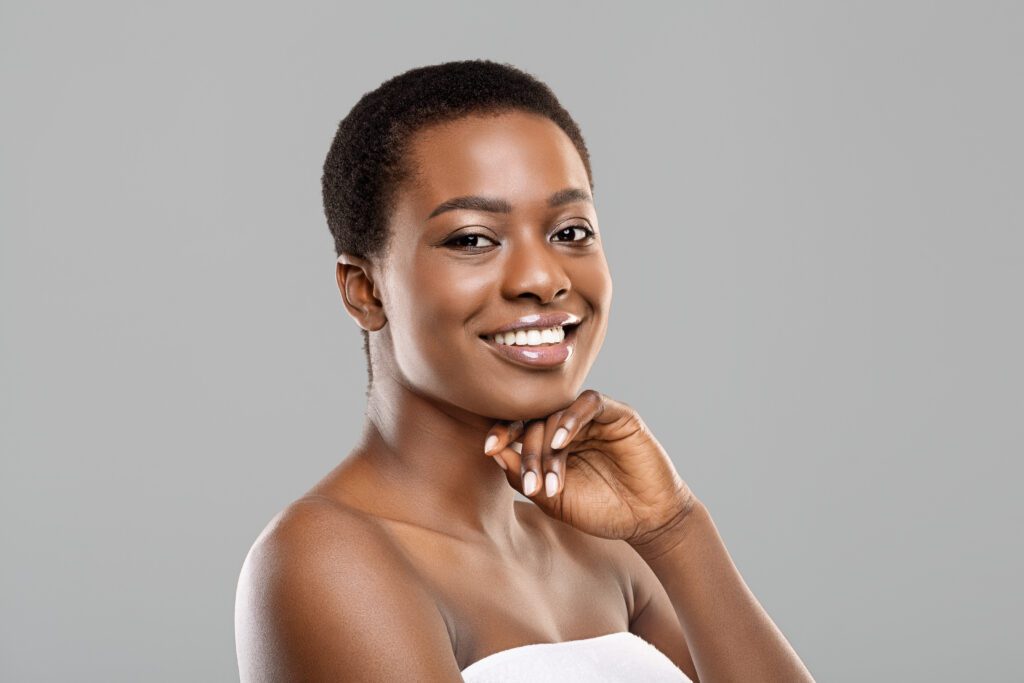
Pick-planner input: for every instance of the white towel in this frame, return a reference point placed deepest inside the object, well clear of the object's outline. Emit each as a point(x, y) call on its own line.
point(611, 658)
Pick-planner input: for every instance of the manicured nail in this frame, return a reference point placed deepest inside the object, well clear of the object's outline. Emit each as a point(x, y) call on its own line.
point(551, 484)
point(530, 483)
point(561, 434)
point(501, 462)
point(490, 443)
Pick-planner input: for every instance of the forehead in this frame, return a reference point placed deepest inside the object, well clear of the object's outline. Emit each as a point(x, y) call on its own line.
point(518, 156)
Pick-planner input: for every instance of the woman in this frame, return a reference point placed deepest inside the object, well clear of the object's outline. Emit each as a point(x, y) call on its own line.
point(469, 252)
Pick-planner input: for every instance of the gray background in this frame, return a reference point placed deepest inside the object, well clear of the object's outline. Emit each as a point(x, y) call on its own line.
point(813, 216)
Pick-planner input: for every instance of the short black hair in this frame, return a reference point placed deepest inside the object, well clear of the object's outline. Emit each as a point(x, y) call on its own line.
point(366, 162)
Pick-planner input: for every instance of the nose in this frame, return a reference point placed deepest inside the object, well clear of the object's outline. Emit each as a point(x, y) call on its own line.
point(534, 270)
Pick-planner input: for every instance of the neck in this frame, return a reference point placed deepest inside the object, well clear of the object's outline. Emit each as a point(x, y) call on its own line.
point(422, 462)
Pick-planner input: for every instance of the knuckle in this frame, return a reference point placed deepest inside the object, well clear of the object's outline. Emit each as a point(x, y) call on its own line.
point(634, 420)
point(554, 464)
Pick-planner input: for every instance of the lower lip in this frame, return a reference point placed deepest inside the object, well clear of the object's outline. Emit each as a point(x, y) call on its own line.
point(542, 356)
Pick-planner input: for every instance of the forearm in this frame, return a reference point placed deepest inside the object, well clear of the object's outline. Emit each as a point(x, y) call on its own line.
point(730, 636)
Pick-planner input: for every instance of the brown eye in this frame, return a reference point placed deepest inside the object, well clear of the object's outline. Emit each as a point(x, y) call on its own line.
point(569, 233)
point(468, 241)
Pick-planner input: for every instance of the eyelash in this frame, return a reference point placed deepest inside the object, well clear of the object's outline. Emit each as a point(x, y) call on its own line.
point(590, 233)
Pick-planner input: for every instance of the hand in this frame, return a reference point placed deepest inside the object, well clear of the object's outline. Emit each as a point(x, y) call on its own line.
point(611, 477)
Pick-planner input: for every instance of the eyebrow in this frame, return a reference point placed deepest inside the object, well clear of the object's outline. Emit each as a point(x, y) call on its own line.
point(497, 205)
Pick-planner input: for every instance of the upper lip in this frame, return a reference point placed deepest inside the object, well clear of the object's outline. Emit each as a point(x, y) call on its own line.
point(538, 321)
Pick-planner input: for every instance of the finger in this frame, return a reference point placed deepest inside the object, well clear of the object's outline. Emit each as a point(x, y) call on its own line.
point(530, 467)
point(501, 435)
point(510, 459)
point(590, 409)
point(580, 412)
point(552, 462)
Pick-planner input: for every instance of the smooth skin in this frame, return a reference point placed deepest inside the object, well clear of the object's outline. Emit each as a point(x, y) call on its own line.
point(412, 559)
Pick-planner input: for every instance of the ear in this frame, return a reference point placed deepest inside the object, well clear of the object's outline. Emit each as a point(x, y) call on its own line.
point(359, 292)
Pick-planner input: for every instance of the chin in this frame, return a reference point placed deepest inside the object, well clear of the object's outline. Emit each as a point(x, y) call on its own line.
point(527, 407)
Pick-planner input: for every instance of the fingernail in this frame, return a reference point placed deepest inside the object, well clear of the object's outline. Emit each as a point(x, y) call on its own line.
point(529, 482)
point(561, 434)
point(501, 462)
point(489, 444)
point(551, 484)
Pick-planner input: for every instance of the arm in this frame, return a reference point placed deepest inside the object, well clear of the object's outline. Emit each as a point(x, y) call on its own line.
point(730, 636)
point(324, 596)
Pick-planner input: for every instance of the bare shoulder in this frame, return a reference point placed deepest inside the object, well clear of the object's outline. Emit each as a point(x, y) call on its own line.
point(316, 528)
point(325, 595)
point(315, 533)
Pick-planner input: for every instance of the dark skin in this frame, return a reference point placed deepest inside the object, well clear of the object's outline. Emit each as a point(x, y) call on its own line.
point(412, 559)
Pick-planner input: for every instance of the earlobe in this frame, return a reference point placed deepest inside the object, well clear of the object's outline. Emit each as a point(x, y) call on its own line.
point(359, 293)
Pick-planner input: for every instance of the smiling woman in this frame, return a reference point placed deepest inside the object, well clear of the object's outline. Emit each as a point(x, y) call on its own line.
point(469, 253)
point(495, 222)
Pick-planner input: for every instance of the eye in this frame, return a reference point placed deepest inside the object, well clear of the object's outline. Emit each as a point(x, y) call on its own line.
point(469, 241)
point(569, 232)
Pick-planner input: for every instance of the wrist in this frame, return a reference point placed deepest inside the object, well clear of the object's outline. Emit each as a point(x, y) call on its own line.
point(673, 532)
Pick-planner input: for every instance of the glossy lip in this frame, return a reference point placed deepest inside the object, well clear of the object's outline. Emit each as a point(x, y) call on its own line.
point(538, 321)
point(543, 356)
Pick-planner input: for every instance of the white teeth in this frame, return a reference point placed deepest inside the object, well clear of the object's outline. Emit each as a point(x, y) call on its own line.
point(534, 337)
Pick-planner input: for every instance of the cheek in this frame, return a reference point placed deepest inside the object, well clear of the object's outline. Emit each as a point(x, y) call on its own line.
point(593, 281)
point(446, 297)
point(435, 345)
point(437, 315)
point(594, 284)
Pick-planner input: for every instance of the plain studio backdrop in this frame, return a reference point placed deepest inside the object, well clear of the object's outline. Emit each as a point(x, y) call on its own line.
point(813, 216)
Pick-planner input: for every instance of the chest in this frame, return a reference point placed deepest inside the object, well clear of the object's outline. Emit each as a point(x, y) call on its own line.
point(555, 590)
point(510, 611)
